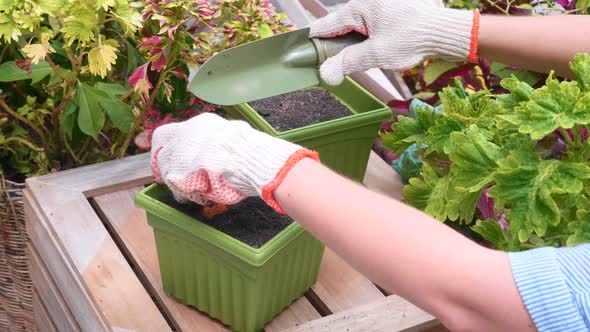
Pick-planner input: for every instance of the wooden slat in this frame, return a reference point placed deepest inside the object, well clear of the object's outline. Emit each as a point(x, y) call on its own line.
point(382, 178)
point(96, 179)
point(391, 314)
point(43, 321)
point(301, 311)
point(340, 287)
point(130, 227)
point(96, 281)
point(49, 294)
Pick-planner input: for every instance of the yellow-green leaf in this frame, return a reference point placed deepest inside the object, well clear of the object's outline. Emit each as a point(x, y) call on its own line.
point(105, 4)
point(80, 28)
point(101, 59)
point(438, 67)
point(264, 31)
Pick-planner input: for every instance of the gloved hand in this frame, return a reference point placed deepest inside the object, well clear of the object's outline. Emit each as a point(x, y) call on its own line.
point(208, 158)
point(402, 34)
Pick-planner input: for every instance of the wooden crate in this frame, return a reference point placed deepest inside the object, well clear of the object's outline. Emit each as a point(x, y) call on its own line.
point(95, 267)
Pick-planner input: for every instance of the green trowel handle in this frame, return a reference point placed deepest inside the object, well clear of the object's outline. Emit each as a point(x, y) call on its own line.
point(329, 47)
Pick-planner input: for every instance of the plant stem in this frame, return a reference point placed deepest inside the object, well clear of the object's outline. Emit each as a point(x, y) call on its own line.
point(146, 107)
point(69, 148)
point(25, 121)
point(566, 136)
point(126, 95)
point(23, 141)
point(55, 69)
point(70, 87)
point(577, 131)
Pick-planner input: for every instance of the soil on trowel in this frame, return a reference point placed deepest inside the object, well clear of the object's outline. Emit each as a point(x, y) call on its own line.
point(251, 221)
point(300, 108)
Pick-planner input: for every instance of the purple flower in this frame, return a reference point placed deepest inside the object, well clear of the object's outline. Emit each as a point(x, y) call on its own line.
point(503, 222)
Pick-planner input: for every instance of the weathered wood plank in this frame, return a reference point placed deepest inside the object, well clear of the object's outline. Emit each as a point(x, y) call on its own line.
point(43, 321)
point(102, 178)
point(340, 287)
point(299, 312)
point(75, 293)
point(130, 226)
point(380, 177)
point(49, 294)
point(96, 281)
point(390, 314)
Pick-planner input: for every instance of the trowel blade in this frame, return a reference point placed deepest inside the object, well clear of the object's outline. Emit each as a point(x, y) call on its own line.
point(264, 68)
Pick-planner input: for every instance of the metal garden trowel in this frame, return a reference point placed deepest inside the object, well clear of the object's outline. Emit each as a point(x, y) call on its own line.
point(268, 67)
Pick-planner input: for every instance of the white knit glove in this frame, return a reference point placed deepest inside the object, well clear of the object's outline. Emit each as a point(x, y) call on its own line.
point(208, 158)
point(402, 34)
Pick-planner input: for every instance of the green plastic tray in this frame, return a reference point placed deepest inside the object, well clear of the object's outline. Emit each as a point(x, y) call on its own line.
point(241, 286)
point(344, 144)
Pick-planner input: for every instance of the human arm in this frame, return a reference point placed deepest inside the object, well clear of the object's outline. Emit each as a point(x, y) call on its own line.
point(402, 249)
point(396, 246)
point(405, 251)
point(403, 33)
point(538, 43)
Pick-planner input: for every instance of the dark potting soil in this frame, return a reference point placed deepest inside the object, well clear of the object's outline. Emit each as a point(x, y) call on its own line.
point(300, 108)
point(251, 221)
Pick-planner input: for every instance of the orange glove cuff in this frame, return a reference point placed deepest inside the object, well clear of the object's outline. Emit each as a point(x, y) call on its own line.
point(473, 57)
point(268, 189)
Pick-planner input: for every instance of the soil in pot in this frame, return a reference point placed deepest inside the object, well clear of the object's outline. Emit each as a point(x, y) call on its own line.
point(251, 221)
point(300, 108)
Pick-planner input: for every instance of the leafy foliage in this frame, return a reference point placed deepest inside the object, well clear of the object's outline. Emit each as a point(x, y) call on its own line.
point(519, 163)
point(179, 35)
point(79, 79)
point(55, 53)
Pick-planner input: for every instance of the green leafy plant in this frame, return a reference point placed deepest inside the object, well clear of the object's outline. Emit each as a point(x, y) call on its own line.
point(63, 66)
point(80, 79)
point(517, 164)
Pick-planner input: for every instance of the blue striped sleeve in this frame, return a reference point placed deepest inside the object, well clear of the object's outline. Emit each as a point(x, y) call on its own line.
point(554, 284)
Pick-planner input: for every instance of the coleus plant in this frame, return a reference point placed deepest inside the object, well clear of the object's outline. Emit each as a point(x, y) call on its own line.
point(516, 164)
point(180, 35)
point(62, 76)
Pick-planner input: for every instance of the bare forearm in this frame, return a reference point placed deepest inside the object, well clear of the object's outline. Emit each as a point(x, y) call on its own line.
point(536, 43)
point(404, 250)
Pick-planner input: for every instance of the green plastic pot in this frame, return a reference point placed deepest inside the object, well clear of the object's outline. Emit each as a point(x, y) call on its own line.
point(344, 144)
point(239, 285)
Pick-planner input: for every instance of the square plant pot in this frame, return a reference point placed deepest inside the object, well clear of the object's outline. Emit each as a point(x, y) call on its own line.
point(344, 144)
point(242, 286)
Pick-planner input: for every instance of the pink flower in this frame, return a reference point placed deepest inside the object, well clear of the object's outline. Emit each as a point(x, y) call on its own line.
point(140, 81)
